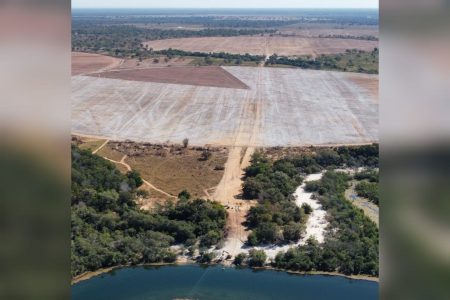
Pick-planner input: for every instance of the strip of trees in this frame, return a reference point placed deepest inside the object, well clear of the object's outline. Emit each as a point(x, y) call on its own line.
point(350, 61)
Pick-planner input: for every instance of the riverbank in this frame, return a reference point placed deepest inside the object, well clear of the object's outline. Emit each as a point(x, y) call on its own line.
point(89, 275)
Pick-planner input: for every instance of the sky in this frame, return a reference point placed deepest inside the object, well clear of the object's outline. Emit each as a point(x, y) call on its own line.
point(225, 3)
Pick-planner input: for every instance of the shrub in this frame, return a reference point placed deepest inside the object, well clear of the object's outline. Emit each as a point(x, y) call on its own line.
point(240, 259)
point(257, 258)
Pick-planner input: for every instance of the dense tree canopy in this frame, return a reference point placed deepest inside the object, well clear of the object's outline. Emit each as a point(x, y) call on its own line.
point(108, 229)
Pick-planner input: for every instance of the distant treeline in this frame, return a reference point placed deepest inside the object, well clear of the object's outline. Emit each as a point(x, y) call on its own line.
point(127, 38)
point(351, 37)
point(350, 61)
point(109, 229)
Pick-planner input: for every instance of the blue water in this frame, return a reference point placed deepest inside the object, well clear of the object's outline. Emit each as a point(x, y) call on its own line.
point(205, 283)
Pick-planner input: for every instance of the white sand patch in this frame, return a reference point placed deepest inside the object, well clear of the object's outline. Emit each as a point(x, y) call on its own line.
point(317, 223)
point(315, 226)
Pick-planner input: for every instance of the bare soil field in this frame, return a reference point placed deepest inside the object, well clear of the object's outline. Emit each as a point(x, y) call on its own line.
point(172, 168)
point(156, 62)
point(265, 45)
point(201, 76)
point(317, 30)
point(84, 63)
point(282, 107)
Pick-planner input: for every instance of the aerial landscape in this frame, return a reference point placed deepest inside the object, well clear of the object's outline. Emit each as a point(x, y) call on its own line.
point(207, 143)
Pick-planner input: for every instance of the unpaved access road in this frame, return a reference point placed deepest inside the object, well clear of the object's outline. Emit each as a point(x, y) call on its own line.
point(228, 193)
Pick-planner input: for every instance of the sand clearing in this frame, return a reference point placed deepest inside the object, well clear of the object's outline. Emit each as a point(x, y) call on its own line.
point(317, 223)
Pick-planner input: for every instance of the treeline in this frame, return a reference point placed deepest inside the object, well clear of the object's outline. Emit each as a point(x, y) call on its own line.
point(205, 21)
point(129, 38)
point(108, 229)
point(276, 218)
point(350, 61)
point(226, 56)
point(351, 244)
point(351, 37)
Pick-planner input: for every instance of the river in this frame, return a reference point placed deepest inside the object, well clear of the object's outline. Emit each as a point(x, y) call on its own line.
point(216, 282)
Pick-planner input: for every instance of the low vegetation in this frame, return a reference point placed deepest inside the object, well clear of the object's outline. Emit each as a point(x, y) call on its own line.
point(108, 229)
point(367, 187)
point(351, 61)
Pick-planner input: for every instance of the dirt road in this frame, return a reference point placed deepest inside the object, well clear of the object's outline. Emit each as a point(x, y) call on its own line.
point(228, 193)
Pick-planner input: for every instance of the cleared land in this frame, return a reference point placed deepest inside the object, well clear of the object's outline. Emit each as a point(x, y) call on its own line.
point(202, 76)
point(329, 29)
point(282, 107)
point(264, 45)
point(83, 63)
point(171, 168)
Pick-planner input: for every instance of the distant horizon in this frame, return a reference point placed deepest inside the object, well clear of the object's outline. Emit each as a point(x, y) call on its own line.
point(229, 4)
point(232, 8)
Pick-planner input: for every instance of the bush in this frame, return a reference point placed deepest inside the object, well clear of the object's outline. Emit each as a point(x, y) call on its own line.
point(206, 155)
point(368, 190)
point(257, 258)
point(240, 259)
point(184, 195)
point(292, 232)
point(307, 208)
point(206, 257)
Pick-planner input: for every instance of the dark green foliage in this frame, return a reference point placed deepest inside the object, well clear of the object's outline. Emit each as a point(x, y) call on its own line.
point(276, 213)
point(306, 208)
point(222, 55)
point(368, 190)
point(206, 257)
point(359, 156)
point(240, 259)
point(350, 61)
point(135, 179)
point(370, 175)
point(184, 195)
point(108, 229)
point(292, 232)
point(257, 258)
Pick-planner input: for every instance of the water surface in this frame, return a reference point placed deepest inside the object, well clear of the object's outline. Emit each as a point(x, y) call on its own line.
point(207, 283)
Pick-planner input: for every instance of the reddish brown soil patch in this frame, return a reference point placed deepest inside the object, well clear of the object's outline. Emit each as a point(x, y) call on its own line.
point(200, 76)
point(83, 63)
